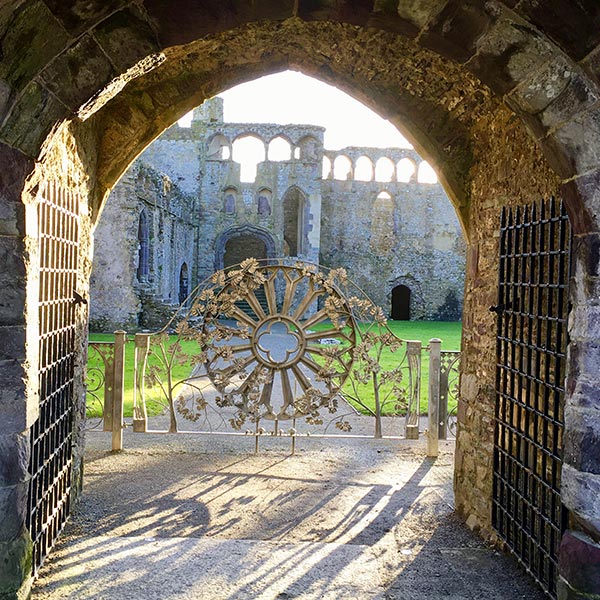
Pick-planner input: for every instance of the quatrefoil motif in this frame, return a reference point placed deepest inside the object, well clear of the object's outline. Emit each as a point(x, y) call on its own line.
point(276, 343)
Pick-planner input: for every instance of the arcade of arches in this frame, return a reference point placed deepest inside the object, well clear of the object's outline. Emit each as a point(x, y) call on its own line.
point(501, 96)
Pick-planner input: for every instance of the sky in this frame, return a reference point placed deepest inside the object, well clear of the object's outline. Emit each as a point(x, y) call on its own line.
point(291, 97)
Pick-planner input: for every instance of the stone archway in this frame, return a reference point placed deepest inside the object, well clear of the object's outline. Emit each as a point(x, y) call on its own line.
point(500, 96)
point(236, 244)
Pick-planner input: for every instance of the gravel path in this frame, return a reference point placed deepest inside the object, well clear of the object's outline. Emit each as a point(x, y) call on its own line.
point(178, 516)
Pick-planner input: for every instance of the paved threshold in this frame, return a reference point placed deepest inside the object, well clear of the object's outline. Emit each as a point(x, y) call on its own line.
point(128, 568)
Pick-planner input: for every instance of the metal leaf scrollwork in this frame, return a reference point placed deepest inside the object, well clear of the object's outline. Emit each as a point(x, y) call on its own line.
point(98, 387)
point(273, 342)
point(263, 359)
point(449, 389)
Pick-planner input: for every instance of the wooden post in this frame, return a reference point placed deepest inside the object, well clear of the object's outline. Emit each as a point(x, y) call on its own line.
point(140, 417)
point(434, 397)
point(118, 391)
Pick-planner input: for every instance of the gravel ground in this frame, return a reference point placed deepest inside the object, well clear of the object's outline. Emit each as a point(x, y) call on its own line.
point(176, 516)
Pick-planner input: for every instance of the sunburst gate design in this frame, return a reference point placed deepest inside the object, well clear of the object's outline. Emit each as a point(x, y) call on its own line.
point(275, 340)
point(265, 358)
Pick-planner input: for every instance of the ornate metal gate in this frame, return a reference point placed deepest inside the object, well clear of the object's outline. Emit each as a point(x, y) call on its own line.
point(51, 458)
point(531, 349)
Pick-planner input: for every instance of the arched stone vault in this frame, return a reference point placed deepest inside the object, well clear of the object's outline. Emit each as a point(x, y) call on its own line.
point(502, 97)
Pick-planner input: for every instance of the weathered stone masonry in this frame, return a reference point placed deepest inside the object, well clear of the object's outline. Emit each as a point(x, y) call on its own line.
point(502, 97)
point(405, 230)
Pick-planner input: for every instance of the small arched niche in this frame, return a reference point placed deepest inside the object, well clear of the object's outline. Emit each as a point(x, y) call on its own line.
point(264, 202)
point(143, 269)
point(184, 283)
point(229, 201)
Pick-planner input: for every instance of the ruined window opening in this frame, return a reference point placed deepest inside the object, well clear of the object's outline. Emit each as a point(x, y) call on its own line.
point(293, 222)
point(363, 170)
point(264, 202)
point(426, 173)
point(143, 270)
point(400, 303)
point(183, 283)
point(342, 168)
point(326, 171)
point(384, 169)
point(405, 169)
point(279, 149)
point(309, 147)
point(218, 148)
point(296, 153)
point(248, 151)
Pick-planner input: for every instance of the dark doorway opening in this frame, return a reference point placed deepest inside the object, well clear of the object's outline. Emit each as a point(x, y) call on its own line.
point(240, 248)
point(400, 303)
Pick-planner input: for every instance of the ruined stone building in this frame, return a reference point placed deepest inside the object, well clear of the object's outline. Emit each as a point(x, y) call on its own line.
point(183, 210)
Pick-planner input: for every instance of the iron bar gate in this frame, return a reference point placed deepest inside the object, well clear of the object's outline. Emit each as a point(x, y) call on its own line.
point(532, 312)
point(51, 458)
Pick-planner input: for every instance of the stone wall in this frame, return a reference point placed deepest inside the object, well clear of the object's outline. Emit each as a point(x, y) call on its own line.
point(412, 239)
point(122, 297)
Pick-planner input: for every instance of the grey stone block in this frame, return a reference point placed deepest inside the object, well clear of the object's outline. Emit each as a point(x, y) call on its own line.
point(580, 493)
point(14, 458)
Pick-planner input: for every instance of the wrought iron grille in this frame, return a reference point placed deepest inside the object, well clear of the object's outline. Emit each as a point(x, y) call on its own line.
point(531, 349)
point(51, 434)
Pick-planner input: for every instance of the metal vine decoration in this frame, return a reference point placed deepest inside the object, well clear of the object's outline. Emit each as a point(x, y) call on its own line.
point(273, 341)
point(261, 351)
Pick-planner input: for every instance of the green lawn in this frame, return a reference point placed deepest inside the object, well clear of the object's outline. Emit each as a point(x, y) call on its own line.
point(448, 332)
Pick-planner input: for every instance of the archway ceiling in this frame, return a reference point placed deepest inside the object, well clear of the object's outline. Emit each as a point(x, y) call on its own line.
point(427, 65)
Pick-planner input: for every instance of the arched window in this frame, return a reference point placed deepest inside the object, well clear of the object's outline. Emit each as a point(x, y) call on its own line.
point(264, 202)
point(229, 197)
point(183, 283)
point(363, 169)
point(382, 224)
point(426, 173)
point(400, 303)
point(342, 168)
point(293, 222)
point(218, 148)
point(309, 148)
point(384, 169)
point(248, 151)
point(326, 172)
point(143, 269)
point(405, 169)
point(279, 149)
